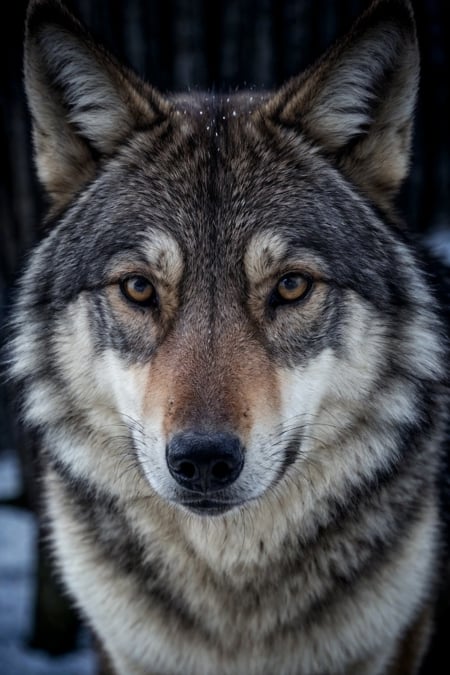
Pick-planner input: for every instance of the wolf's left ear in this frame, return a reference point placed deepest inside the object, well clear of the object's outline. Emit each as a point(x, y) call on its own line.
point(357, 102)
point(83, 103)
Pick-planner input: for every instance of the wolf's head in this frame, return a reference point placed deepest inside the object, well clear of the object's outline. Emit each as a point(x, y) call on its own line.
point(223, 299)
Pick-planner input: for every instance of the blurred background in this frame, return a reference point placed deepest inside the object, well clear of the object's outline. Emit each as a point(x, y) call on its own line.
point(175, 45)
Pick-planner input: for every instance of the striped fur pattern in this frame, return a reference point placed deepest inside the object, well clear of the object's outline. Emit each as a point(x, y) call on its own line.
point(322, 556)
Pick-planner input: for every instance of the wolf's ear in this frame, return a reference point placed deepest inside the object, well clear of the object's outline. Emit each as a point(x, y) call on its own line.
point(357, 102)
point(83, 103)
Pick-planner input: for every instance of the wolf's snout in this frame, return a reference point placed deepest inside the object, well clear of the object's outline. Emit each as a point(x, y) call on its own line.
point(205, 462)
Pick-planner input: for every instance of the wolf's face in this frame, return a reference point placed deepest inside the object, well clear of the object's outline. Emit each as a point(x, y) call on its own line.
point(221, 301)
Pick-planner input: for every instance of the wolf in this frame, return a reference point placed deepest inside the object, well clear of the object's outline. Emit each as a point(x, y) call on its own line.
point(236, 356)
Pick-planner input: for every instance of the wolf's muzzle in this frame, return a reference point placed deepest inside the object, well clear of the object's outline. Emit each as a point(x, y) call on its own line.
point(205, 462)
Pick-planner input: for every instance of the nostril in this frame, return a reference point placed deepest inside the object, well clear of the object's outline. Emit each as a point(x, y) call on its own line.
point(187, 469)
point(221, 470)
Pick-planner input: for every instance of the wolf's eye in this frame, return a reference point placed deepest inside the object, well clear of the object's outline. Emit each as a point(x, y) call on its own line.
point(138, 289)
point(290, 288)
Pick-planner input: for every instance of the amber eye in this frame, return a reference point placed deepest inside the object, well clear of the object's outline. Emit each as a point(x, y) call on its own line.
point(290, 288)
point(138, 289)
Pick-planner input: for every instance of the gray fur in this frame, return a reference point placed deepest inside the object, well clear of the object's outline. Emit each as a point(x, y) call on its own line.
point(322, 559)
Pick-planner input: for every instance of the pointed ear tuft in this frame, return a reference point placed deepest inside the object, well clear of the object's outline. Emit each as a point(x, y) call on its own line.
point(83, 103)
point(357, 102)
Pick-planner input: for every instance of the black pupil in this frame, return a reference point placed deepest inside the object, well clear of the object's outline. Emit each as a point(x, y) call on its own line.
point(290, 283)
point(140, 285)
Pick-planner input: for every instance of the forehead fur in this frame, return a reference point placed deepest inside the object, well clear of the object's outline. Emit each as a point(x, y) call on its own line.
point(161, 253)
point(212, 185)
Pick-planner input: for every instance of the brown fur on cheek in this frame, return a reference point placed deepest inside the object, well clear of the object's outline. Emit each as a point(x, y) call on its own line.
point(224, 384)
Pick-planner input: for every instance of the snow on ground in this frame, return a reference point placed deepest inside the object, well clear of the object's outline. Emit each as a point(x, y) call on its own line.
point(18, 533)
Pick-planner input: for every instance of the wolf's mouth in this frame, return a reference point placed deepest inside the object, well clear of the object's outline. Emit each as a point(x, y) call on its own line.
point(209, 507)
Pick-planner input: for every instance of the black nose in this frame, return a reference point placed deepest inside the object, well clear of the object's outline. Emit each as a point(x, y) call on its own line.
point(204, 462)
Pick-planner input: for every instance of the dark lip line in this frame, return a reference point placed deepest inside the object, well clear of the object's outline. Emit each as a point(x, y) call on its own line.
point(213, 502)
point(208, 506)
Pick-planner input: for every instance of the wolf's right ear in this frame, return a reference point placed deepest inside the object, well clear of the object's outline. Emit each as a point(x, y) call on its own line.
point(83, 103)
